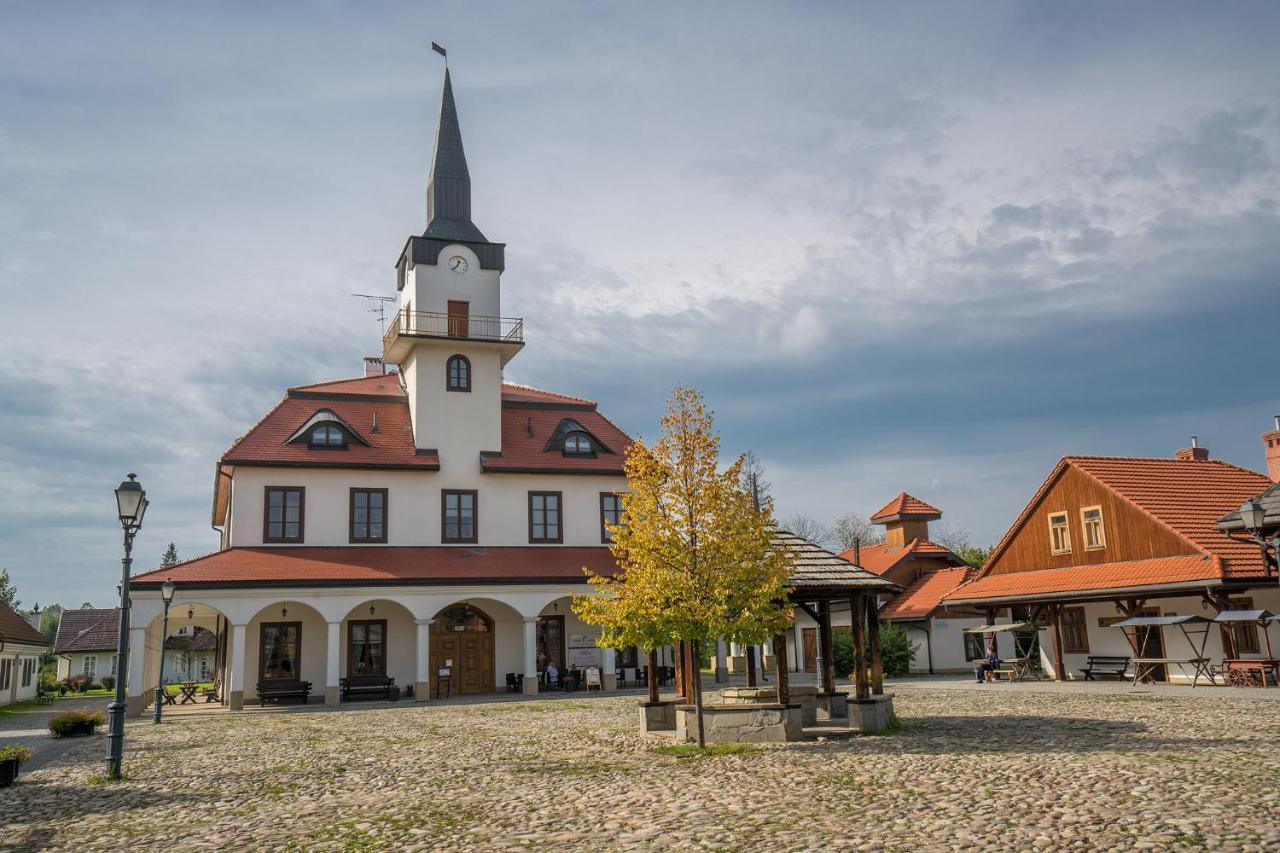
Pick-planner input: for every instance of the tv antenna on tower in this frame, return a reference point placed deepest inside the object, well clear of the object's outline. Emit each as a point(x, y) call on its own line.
point(378, 305)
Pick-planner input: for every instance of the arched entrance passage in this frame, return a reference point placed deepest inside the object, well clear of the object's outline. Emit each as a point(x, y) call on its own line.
point(462, 639)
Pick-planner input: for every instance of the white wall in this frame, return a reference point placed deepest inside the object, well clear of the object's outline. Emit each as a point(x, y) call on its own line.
point(20, 656)
point(413, 499)
point(458, 424)
point(430, 287)
point(72, 663)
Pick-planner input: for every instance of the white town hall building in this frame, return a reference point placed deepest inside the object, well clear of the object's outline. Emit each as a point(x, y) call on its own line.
point(403, 522)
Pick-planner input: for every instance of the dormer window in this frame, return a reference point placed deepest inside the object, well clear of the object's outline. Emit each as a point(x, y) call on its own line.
point(458, 373)
point(572, 439)
point(577, 444)
point(327, 435)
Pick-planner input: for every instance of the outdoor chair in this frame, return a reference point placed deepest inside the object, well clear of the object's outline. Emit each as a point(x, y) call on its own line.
point(642, 676)
point(513, 685)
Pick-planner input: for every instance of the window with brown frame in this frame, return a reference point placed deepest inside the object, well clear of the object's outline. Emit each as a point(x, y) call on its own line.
point(279, 656)
point(975, 647)
point(545, 518)
point(367, 647)
point(1075, 631)
point(368, 515)
point(610, 513)
point(1059, 533)
point(282, 514)
point(1244, 635)
point(459, 515)
point(1095, 535)
point(458, 373)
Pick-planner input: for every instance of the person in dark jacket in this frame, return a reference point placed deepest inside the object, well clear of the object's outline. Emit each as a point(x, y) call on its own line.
point(990, 664)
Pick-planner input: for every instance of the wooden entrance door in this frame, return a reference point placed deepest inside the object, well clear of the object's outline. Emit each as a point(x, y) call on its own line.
point(810, 649)
point(1151, 645)
point(459, 318)
point(472, 656)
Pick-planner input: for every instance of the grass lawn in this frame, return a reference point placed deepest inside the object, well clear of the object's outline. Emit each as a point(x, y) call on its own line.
point(174, 688)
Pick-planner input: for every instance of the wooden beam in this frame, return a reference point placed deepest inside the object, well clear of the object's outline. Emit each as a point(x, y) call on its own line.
point(780, 662)
point(873, 640)
point(858, 615)
point(808, 608)
point(1059, 669)
point(826, 666)
point(653, 675)
point(751, 666)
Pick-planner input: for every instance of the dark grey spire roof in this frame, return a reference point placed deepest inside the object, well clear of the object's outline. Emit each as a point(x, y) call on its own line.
point(449, 186)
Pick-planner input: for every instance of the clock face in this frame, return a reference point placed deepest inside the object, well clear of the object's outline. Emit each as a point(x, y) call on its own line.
point(458, 264)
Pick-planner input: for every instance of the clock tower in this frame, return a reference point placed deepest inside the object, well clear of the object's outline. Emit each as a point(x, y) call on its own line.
point(449, 337)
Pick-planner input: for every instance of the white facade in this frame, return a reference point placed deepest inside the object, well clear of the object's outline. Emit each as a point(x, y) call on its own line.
point(96, 663)
point(19, 672)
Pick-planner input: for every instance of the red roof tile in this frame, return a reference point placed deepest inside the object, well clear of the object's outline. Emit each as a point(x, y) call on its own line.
point(513, 393)
point(1135, 574)
point(88, 629)
point(905, 504)
point(879, 559)
point(15, 629)
point(386, 565)
point(385, 385)
point(919, 600)
point(523, 451)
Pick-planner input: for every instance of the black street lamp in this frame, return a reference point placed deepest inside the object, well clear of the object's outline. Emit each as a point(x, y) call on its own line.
point(131, 502)
point(1253, 516)
point(166, 595)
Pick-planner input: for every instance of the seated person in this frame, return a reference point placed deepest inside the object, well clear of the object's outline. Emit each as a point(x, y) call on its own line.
point(553, 674)
point(989, 664)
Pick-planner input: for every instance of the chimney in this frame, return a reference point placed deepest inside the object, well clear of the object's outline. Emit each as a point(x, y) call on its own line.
point(1271, 443)
point(857, 551)
point(373, 366)
point(1194, 453)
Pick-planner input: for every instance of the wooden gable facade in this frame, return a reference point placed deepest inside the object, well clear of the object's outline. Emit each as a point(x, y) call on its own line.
point(1129, 532)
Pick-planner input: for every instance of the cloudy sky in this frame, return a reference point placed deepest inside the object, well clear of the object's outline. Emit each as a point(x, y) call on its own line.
point(899, 246)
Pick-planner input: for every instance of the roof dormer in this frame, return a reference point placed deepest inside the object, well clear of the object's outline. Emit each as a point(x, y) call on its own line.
point(573, 439)
point(324, 430)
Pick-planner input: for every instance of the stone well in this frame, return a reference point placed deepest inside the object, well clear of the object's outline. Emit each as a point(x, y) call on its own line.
point(871, 715)
point(833, 705)
point(740, 723)
point(658, 716)
point(804, 695)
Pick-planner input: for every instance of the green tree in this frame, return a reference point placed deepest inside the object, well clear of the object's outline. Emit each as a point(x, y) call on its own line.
point(170, 556)
point(695, 555)
point(49, 620)
point(896, 650)
point(8, 592)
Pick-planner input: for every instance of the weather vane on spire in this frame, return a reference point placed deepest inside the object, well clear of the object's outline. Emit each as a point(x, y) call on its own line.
point(440, 50)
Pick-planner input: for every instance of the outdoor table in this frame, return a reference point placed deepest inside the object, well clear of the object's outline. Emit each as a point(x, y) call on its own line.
point(1265, 668)
point(1144, 668)
point(188, 691)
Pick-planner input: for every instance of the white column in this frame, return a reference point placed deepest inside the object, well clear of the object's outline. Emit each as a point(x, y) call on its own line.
point(798, 641)
point(530, 656)
point(136, 689)
point(235, 691)
point(722, 667)
point(333, 661)
point(609, 677)
point(422, 679)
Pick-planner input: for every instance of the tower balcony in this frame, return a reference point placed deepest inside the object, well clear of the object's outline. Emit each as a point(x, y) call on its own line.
point(408, 328)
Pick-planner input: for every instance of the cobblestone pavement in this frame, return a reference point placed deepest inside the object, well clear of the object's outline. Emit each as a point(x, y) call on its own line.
point(970, 770)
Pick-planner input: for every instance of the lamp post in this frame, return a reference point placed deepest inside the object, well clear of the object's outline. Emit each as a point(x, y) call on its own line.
point(131, 504)
point(166, 595)
point(1253, 516)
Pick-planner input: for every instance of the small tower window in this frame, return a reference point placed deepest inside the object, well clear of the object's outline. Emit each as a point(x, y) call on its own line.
point(328, 435)
point(577, 444)
point(459, 373)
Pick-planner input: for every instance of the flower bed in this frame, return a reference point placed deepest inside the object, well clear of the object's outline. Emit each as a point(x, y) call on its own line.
point(75, 723)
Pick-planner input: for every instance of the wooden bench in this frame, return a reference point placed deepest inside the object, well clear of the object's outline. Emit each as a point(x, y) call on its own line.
point(1010, 673)
point(368, 685)
point(278, 689)
point(1105, 666)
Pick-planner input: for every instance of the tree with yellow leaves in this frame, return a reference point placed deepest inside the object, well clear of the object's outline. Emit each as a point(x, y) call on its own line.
point(694, 551)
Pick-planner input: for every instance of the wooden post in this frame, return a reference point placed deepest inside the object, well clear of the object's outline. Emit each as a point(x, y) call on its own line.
point(1059, 670)
point(873, 640)
point(780, 662)
point(826, 666)
point(653, 675)
point(751, 666)
point(858, 615)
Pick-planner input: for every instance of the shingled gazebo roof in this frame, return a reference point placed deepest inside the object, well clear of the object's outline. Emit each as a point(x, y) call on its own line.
point(822, 574)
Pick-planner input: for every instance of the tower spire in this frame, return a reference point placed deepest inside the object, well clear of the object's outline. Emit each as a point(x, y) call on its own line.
point(449, 185)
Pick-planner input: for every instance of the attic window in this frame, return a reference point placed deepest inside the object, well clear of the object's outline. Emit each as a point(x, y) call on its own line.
point(1059, 533)
point(327, 435)
point(577, 444)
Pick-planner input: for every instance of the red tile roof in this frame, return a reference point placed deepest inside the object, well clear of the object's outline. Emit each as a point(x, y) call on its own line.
point(905, 504)
point(88, 629)
point(879, 559)
point(15, 629)
point(1185, 496)
point(362, 402)
point(919, 600)
point(1046, 583)
point(385, 565)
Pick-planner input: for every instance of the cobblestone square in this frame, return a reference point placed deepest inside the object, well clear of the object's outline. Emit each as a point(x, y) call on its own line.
point(970, 770)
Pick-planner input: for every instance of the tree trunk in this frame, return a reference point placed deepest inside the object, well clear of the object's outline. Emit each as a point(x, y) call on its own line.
point(751, 666)
point(697, 691)
point(653, 675)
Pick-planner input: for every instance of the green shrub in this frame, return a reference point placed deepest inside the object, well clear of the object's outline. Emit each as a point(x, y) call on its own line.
point(73, 723)
point(15, 751)
point(896, 651)
point(109, 682)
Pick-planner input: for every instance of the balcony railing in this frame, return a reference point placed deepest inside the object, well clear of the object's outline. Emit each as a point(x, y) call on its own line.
point(435, 324)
